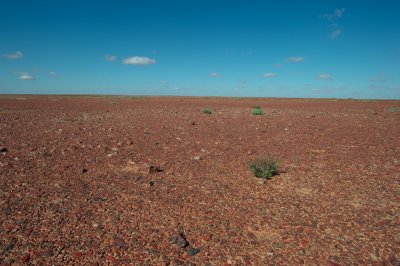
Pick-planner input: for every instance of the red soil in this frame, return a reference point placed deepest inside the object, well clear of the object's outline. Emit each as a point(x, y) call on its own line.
point(76, 186)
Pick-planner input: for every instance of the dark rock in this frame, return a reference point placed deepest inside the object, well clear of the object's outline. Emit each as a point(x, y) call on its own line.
point(84, 170)
point(154, 169)
point(26, 257)
point(48, 253)
point(151, 183)
point(2, 149)
point(193, 251)
point(179, 240)
point(9, 247)
point(7, 210)
point(152, 251)
point(120, 243)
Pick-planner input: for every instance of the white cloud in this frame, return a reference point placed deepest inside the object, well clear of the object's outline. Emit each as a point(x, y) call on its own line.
point(214, 75)
point(16, 55)
point(339, 12)
point(138, 60)
point(336, 33)
point(52, 73)
point(336, 15)
point(324, 76)
point(277, 65)
point(269, 75)
point(26, 77)
point(110, 58)
point(295, 59)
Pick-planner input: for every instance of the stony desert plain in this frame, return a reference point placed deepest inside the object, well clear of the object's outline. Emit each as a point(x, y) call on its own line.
point(154, 181)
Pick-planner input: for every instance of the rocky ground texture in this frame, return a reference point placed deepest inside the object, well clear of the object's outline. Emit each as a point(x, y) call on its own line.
point(154, 181)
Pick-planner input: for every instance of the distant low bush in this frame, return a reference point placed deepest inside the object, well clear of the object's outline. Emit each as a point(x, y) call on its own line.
point(256, 107)
point(206, 111)
point(264, 167)
point(257, 112)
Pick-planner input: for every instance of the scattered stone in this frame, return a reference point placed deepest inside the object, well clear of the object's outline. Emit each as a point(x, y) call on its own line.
point(151, 183)
point(120, 243)
point(2, 149)
point(196, 158)
point(154, 169)
point(84, 170)
point(179, 240)
point(193, 251)
point(193, 123)
point(152, 251)
point(48, 253)
point(26, 257)
point(7, 210)
point(9, 247)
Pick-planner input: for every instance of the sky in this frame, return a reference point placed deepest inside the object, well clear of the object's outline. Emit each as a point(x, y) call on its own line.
point(304, 49)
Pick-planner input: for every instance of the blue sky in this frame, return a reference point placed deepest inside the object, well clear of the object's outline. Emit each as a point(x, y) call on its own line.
point(341, 49)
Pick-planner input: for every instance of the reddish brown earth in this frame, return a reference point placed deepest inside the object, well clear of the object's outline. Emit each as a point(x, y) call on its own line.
point(76, 188)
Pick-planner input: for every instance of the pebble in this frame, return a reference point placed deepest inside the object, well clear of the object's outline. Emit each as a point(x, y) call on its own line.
point(196, 158)
point(154, 169)
point(7, 210)
point(193, 251)
point(9, 247)
point(179, 240)
point(26, 257)
point(120, 243)
point(2, 149)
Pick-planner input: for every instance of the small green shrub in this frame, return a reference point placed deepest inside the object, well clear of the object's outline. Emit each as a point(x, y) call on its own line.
point(392, 109)
point(206, 111)
point(257, 107)
point(257, 112)
point(264, 167)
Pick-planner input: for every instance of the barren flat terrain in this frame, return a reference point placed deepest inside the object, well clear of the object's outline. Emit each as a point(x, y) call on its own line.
point(153, 180)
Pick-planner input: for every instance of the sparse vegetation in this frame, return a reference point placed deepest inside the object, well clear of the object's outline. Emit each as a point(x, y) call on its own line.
point(393, 109)
point(206, 111)
point(257, 112)
point(257, 107)
point(264, 167)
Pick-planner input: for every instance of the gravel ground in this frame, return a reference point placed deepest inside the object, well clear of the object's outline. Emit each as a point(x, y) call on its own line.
point(153, 181)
